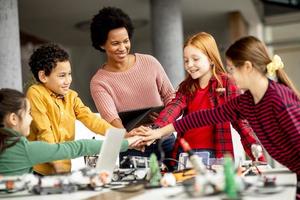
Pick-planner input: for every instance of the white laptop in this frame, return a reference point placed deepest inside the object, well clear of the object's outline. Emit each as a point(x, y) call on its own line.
point(110, 149)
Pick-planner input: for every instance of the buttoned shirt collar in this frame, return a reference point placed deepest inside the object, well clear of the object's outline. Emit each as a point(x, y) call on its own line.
point(53, 94)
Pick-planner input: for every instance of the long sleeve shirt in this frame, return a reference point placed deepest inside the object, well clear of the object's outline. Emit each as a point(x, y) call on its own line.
point(54, 120)
point(222, 131)
point(144, 85)
point(19, 158)
point(275, 119)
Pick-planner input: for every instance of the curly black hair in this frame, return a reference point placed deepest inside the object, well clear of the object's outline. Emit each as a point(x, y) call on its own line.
point(45, 59)
point(107, 19)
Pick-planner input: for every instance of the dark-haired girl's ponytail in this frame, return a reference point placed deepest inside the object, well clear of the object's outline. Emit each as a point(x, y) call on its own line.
point(6, 139)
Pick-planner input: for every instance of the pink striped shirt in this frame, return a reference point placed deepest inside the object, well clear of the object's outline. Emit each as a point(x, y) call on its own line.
point(275, 119)
point(145, 84)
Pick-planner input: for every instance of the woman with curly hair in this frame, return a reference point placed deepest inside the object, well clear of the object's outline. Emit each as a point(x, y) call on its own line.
point(125, 81)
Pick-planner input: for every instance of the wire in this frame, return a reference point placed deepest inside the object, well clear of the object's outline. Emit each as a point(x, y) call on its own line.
point(177, 161)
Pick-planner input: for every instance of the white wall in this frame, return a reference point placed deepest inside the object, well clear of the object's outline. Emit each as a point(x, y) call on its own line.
point(286, 43)
point(85, 61)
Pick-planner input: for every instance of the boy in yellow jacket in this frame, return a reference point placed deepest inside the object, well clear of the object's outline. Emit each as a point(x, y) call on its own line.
point(54, 106)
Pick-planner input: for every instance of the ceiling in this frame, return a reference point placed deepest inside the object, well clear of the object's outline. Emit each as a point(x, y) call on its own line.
point(55, 20)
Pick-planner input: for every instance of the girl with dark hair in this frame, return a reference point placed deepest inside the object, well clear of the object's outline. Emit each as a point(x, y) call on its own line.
point(272, 108)
point(18, 155)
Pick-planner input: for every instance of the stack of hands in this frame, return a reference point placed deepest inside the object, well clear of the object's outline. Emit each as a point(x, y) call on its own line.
point(139, 137)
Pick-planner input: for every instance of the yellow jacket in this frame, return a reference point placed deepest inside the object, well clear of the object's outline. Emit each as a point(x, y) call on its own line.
point(54, 121)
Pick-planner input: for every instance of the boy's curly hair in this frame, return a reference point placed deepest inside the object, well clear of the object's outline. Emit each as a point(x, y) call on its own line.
point(107, 19)
point(45, 59)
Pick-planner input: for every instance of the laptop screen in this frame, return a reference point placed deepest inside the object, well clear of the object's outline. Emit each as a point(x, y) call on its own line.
point(109, 151)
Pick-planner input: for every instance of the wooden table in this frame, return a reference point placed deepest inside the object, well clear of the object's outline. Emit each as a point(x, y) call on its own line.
point(283, 178)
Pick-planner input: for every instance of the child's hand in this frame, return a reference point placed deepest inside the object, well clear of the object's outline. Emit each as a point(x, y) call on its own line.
point(139, 131)
point(134, 141)
point(151, 135)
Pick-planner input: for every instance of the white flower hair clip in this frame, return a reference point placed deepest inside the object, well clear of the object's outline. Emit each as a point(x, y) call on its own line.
point(273, 66)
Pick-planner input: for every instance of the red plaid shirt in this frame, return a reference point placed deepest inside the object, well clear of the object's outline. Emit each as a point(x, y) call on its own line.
point(222, 135)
